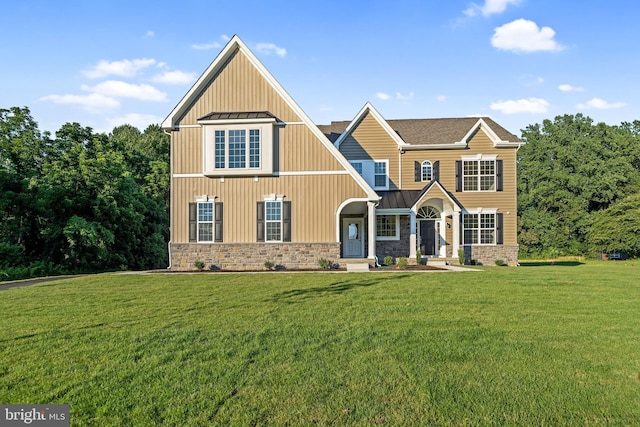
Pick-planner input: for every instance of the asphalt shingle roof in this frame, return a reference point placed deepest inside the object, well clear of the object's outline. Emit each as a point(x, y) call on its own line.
point(428, 131)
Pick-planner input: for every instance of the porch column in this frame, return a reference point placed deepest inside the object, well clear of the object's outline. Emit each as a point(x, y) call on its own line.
point(442, 236)
point(456, 232)
point(412, 237)
point(371, 208)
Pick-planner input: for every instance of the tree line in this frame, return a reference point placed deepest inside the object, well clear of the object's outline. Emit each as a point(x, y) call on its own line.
point(81, 201)
point(579, 188)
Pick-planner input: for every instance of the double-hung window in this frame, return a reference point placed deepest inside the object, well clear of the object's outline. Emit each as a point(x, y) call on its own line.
point(480, 173)
point(479, 228)
point(205, 221)
point(380, 174)
point(273, 221)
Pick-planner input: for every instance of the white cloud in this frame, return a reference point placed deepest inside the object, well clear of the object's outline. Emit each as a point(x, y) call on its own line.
point(150, 34)
point(205, 46)
point(225, 37)
point(326, 108)
point(523, 35)
point(124, 68)
point(490, 7)
point(92, 101)
point(402, 97)
point(269, 48)
point(119, 89)
point(174, 77)
point(442, 98)
point(569, 88)
point(141, 121)
point(600, 104)
point(383, 96)
point(529, 105)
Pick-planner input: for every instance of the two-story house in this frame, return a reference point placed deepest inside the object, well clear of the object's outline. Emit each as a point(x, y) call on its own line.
point(253, 179)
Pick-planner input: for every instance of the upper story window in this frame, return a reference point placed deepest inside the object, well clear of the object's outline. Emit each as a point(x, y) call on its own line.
point(426, 171)
point(375, 172)
point(480, 173)
point(238, 143)
point(381, 179)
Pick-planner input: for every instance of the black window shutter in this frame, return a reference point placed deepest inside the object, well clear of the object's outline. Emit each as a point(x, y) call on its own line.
point(417, 171)
point(499, 233)
point(260, 222)
point(436, 170)
point(458, 175)
point(499, 175)
point(286, 221)
point(461, 229)
point(219, 216)
point(193, 222)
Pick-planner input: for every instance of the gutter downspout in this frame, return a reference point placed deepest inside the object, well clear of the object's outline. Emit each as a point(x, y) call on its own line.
point(170, 193)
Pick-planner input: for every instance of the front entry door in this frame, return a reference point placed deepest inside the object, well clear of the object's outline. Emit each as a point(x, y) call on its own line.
point(353, 238)
point(428, 238)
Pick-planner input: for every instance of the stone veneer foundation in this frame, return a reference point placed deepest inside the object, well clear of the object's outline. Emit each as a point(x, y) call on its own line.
point(487, 255)
point(251, 256)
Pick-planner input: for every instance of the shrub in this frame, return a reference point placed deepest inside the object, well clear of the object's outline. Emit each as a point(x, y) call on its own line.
point(461, 256)
point(499, 262)
point(388, 260)
point(268, 265)
point(402, 263)
point(418, 257)
point(324, 264)
point(199, 265)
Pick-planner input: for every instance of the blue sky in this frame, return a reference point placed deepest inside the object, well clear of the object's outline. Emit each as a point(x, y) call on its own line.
point(105, 63)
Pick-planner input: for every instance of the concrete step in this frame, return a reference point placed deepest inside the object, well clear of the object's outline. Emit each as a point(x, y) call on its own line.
point(357, 267)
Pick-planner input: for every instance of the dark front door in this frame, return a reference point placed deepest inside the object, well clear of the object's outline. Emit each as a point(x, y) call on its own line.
point(428, 238)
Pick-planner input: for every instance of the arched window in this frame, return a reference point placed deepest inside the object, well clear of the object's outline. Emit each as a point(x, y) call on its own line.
point(428, 212)
point(427, 171)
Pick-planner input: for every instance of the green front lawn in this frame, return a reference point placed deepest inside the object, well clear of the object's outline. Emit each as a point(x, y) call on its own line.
point(533, 345)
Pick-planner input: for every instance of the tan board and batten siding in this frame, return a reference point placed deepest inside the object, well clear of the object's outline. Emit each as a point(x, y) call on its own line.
point(239, 86)
point(369, 137)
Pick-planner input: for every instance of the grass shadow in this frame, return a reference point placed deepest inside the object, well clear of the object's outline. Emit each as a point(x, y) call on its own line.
point(550, 263)
point(332, 289)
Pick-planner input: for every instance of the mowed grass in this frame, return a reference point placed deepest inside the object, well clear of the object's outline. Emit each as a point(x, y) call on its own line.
point(534, 345)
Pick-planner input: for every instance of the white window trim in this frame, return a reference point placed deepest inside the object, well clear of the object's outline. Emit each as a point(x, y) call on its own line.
point(422, 174)
point(478, 211)
point(209, 149)
point(273, 198)
point(389, 238)
point(212, 222)
point(386, 168)
point(477, 158)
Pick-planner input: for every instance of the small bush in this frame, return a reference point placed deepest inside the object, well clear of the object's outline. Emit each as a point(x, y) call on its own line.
point(402, 263)
point(199, 265)
point(461, 256)
point(418, 257)
point(388, 260)
point(324, 264)
point(499, 262)
point(268, 265)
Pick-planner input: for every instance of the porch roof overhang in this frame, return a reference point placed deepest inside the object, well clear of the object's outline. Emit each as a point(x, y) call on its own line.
point(398, 200)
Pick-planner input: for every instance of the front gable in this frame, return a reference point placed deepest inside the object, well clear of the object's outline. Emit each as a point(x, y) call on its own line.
point(236, 81)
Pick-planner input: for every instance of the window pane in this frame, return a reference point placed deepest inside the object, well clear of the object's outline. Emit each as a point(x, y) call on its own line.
point(273, 231)
point(219, 149)
point(254, 148)
point(353, 231)
point(358, 167)
point(237, 149)
point(205, 232)
point(470, 175)
point(381, 168)
point(205, 212)
point(380, 174)
point(273, 210)
point(487, 175)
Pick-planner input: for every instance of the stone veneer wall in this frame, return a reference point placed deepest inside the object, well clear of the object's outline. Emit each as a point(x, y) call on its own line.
point(487, 255)
point(251, 256)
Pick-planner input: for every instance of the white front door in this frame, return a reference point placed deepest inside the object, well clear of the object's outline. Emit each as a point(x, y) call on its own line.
point(353, 238)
